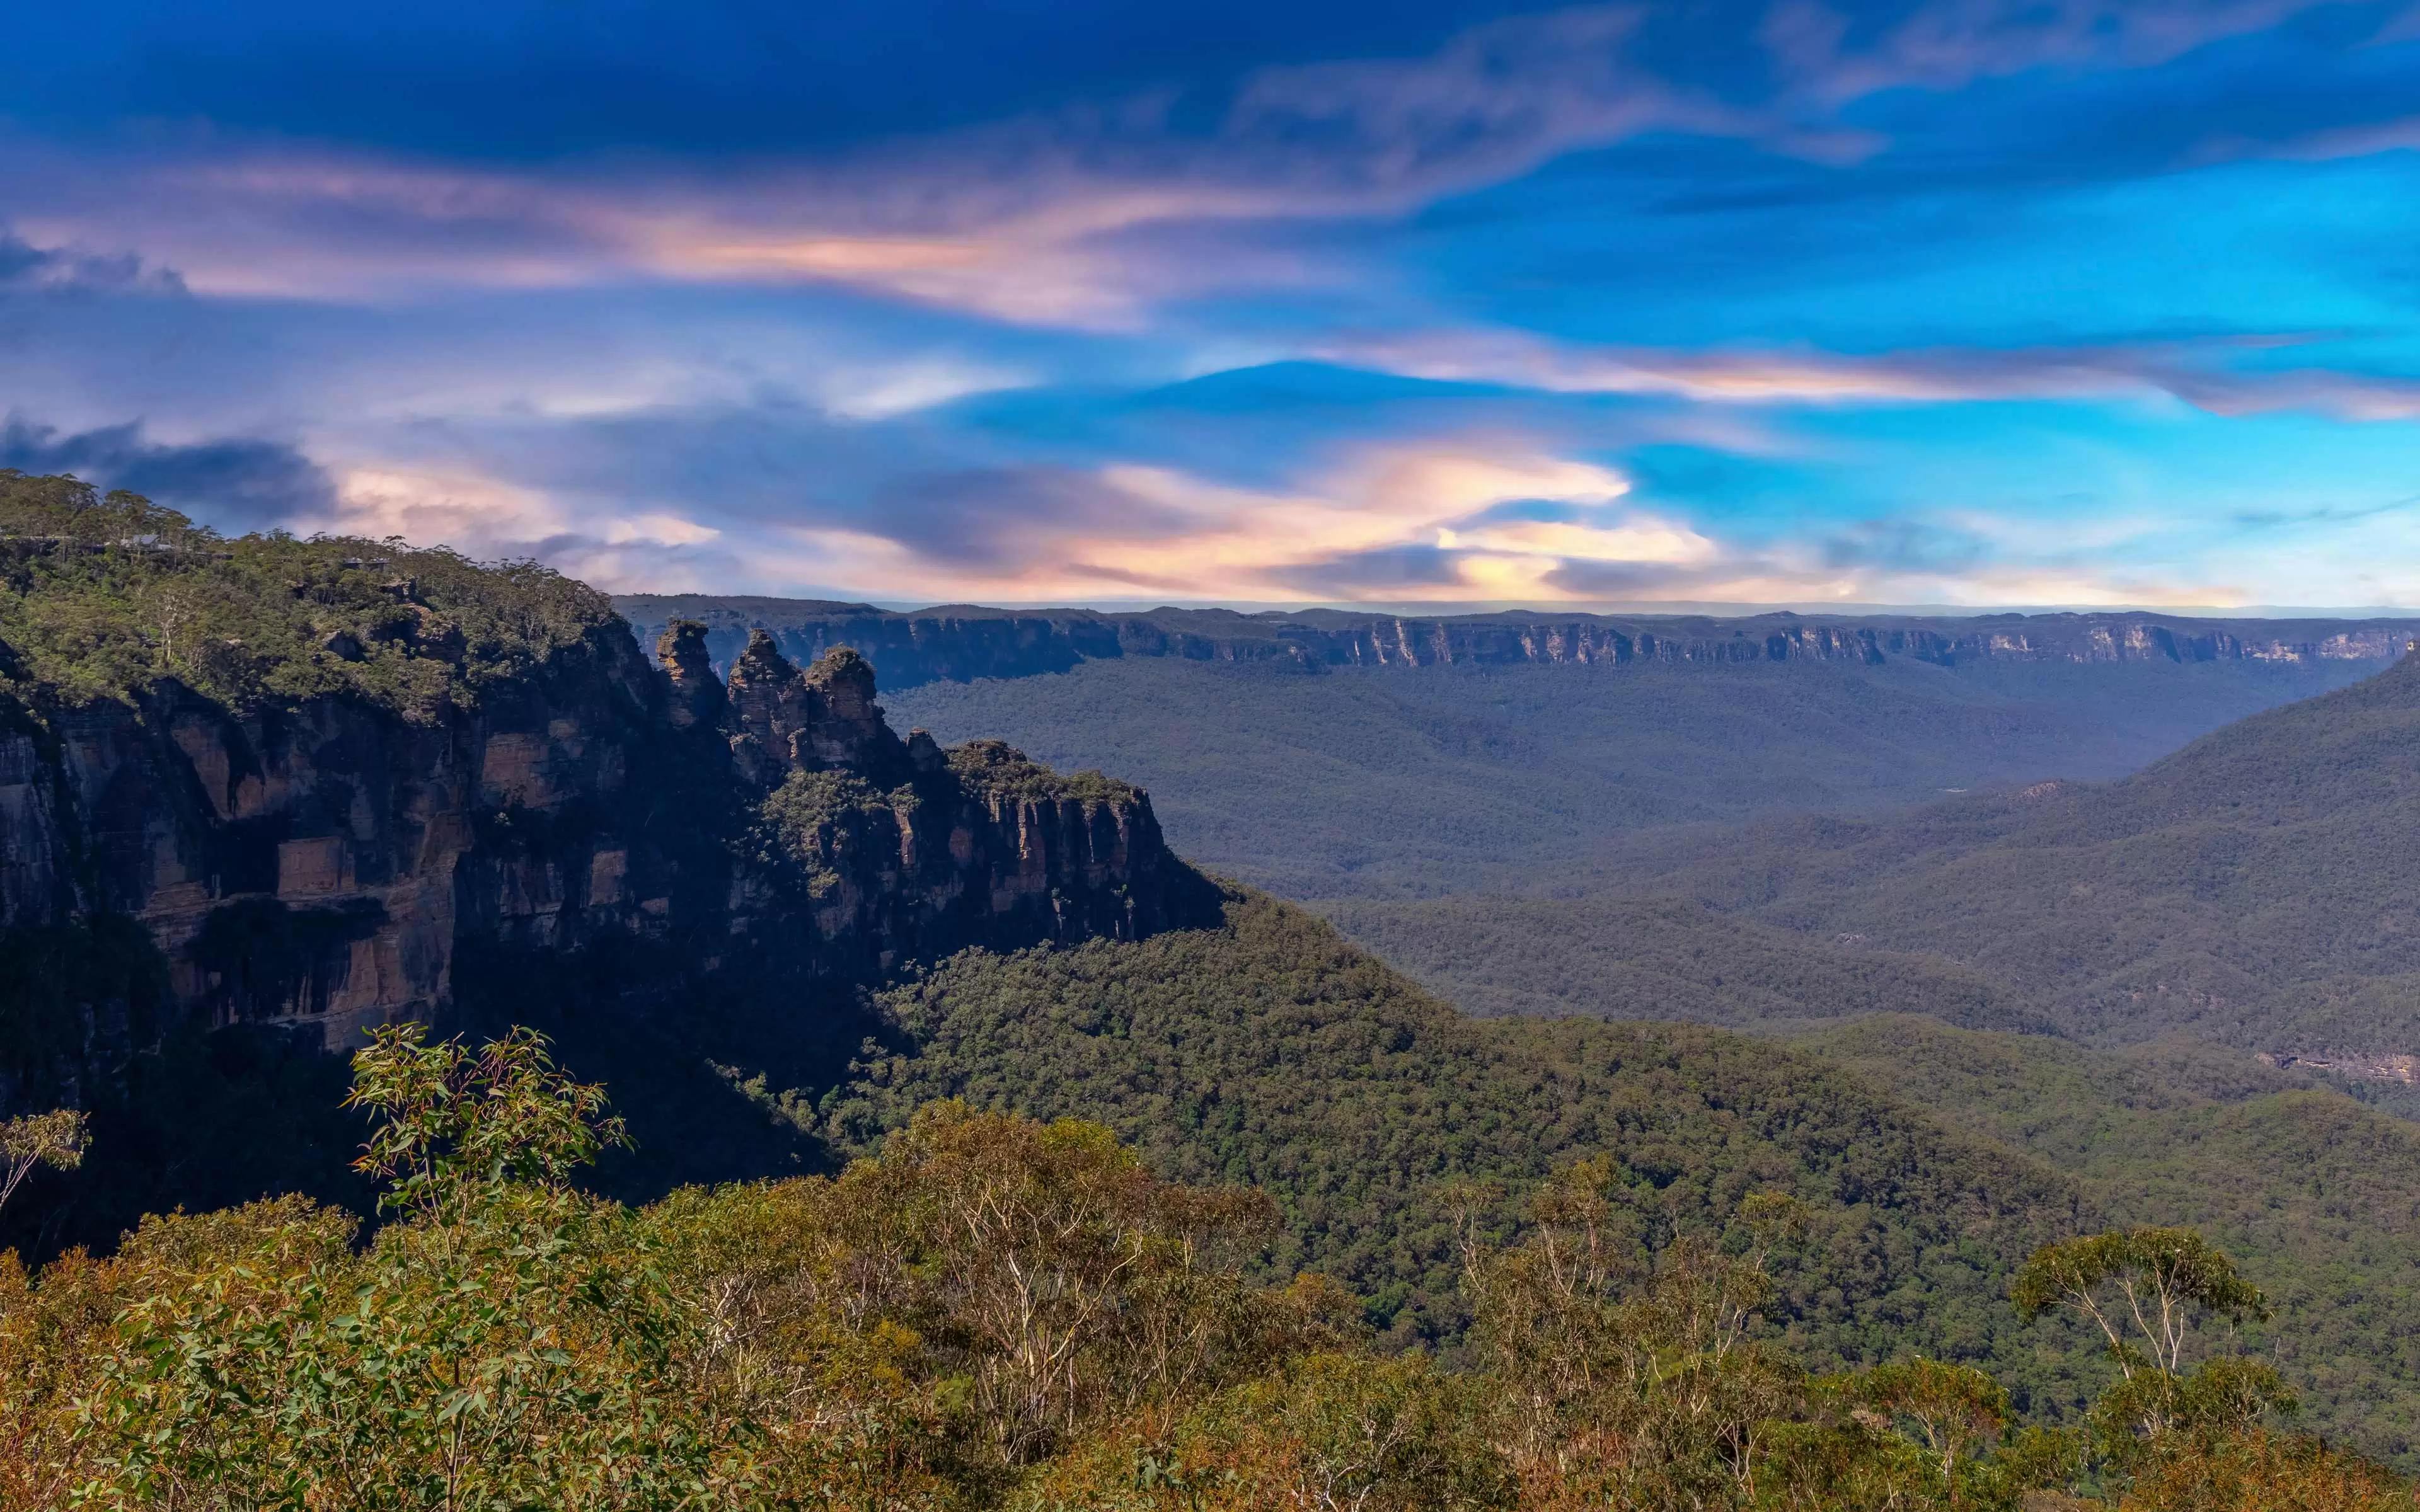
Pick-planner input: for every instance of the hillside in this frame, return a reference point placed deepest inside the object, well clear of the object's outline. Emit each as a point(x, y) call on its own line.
point(2319, 1198)
point(1661, 958)
point(2253, 888)
point(1387, 782)
point(1270, 1052)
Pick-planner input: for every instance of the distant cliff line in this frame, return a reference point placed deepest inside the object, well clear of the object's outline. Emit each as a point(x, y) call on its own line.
point(962, 642)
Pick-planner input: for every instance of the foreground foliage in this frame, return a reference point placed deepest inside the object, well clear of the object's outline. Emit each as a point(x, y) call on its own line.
point(999, 1313)
point(55, 1139)
point(2307, 1188)
point(1271, 1053)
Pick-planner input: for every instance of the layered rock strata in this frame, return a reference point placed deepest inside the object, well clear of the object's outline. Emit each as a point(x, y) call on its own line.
point(958, 644)
point(323, 866)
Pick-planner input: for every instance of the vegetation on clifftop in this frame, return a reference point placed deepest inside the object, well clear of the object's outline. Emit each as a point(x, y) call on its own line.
point(103, 596)
point(996, 768)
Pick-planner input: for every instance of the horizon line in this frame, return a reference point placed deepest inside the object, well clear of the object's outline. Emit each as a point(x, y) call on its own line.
point(1604, 609)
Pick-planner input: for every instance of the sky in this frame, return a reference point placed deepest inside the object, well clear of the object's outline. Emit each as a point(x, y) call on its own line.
point(1958, 303)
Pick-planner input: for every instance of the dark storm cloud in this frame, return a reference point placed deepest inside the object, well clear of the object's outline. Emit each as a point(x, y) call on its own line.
point(236, 482)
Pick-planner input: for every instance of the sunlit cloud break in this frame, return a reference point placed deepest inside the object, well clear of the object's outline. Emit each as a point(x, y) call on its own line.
point(1473, 524)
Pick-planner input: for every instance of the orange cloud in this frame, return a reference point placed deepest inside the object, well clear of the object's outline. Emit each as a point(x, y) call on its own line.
point(1391, 526)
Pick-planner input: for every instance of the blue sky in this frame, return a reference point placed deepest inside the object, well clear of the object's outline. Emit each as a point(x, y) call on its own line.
point(1952, 301)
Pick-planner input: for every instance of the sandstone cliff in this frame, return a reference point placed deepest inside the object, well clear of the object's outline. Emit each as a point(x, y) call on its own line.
point(957, 644)
point(891, 849)
point(318, 863)
point(323, 867)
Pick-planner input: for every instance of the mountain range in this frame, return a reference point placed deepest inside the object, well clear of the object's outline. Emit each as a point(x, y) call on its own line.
point(2254, 889)
point(1324, 780)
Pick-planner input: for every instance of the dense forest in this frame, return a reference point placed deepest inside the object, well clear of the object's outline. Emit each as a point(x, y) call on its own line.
point(2318, 1197)
point(998, 1312)
point(2251, 890)
point(1271, 1053)
point(1673, 958)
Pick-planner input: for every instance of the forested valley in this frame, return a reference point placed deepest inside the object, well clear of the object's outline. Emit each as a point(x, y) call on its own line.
point(529, 1075)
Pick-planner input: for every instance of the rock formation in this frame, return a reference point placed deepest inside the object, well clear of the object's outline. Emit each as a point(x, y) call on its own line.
point(323, 865)
point(891, 850)
point(320, 863)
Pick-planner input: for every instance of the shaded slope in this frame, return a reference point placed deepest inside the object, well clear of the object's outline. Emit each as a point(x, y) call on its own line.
point(2318, 1195)
point(1271, 1051)
point(1389, 782)
point(2259, 887)
point(1661, 958)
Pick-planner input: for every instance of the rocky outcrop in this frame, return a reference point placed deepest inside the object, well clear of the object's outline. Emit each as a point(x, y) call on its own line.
point(324, 867)
point(694, 696)
point(888, 850)
point(961, 643)
point(786, 720)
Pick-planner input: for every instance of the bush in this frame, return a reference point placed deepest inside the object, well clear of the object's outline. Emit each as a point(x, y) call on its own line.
point(106, 596)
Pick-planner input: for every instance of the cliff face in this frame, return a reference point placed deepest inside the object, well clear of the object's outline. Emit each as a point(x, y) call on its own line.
point(888, 849)
point(961, 643)
point(323, 865)
point(320, 863)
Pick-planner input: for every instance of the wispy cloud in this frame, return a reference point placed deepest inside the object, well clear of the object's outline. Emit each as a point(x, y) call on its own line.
point(1125, 529)
point(1477, 522)
point(2195, 372)
point(2400, 133)
point(24, 267)
point(490, 518)
point(1481, 518)
point(1054, 217)
point(1949, 43)
point(1270, 334)
point(1032, 219)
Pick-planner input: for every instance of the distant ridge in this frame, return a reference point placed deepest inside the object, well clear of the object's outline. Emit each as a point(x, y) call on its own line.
point(961, 642)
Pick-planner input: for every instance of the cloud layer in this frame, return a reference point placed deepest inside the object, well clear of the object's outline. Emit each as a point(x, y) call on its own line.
point(1945, 300)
